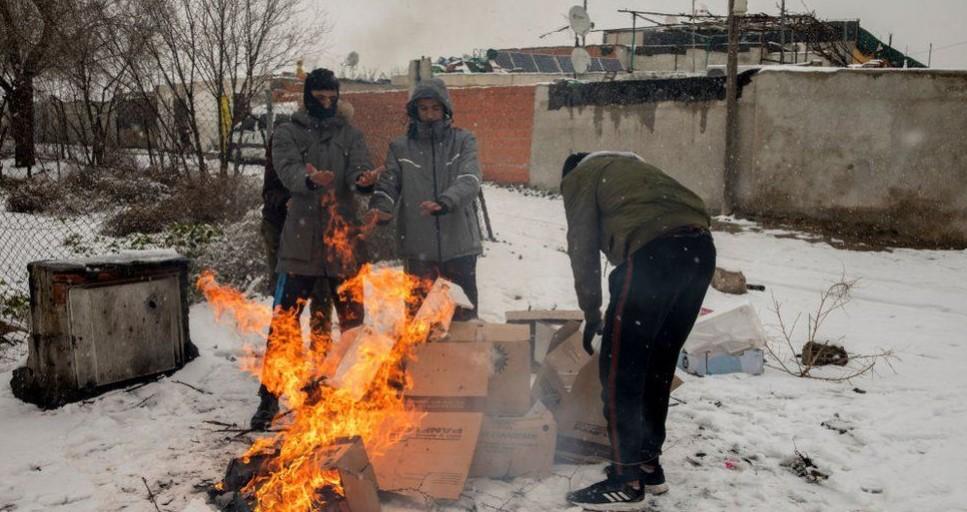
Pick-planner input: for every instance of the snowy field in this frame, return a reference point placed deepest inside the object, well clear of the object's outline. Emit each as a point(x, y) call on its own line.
point(903, 445)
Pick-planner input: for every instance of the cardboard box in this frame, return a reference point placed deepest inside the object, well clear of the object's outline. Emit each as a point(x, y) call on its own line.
point(432, 456)
point(750, 361)
point(355, 474)
point(508, 392)
point(544, 315)
point(516, 447)
point(542, 323)
point(582, 430)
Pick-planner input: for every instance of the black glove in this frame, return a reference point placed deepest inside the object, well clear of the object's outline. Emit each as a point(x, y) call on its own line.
point(592, 326)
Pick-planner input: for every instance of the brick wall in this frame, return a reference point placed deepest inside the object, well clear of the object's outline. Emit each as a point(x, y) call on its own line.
point(502, 118)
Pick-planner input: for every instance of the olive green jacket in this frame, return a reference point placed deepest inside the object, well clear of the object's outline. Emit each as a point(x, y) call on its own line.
point(616, 203)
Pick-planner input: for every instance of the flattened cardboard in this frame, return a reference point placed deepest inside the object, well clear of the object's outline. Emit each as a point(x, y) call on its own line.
point(543, 315)
point(516, 447)
point(582, 430)
point(355, 474)
point(433, 456)
point(508, 391)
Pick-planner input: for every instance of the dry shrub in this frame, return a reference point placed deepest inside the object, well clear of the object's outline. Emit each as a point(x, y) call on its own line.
point(213, 201)
point(31, 195)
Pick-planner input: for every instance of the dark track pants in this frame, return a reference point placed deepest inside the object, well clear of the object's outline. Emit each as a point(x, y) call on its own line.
point(656, 296)
point(292, 290)
point(462, 271)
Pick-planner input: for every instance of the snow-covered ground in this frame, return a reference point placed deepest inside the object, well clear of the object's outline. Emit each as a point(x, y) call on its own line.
point(904, 446)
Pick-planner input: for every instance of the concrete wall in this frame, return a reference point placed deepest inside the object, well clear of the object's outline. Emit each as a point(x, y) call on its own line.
point(882, 149)
point(684, 139)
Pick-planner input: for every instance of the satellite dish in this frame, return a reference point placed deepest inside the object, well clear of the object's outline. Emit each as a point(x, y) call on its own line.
point(352, 60)
point(580, 59)
point(579, 20)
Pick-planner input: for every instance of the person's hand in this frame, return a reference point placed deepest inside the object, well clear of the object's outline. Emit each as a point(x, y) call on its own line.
point(321, 178)
point(376, 216)
point(430, 208)
point(369, 178)
point(592, 327)
point(288, 204)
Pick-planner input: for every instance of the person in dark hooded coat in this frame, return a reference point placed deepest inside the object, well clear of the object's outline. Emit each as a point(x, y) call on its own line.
point(431, 179)
point(321, 160)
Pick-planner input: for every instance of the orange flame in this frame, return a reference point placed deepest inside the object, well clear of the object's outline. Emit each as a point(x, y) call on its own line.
point(321, 413)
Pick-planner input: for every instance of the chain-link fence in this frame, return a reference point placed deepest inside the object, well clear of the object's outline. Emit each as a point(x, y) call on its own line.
point(137, 192)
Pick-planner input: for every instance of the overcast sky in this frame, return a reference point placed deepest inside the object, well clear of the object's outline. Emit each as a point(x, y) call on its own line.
point(388, 33)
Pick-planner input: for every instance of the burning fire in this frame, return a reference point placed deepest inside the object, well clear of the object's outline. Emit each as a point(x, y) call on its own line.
point(334, 390)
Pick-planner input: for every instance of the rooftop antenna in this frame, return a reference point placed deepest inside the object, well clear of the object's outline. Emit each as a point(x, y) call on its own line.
point(580, 23)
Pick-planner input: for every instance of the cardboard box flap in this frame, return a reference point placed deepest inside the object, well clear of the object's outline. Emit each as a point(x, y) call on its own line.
point(568, 357)
point(582, 429)
point(549, 388)
point(564, 333)
point(546, 315)
point(511, 447)
point(431, 458)
point(356, 474)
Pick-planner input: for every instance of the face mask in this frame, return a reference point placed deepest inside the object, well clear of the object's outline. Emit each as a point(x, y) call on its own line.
point(316, 109)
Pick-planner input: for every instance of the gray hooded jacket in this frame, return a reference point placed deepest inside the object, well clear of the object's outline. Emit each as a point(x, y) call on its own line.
point(307, 247)
point(433, 162)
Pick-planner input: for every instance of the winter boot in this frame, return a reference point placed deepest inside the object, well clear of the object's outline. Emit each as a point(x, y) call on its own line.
point(268, 408)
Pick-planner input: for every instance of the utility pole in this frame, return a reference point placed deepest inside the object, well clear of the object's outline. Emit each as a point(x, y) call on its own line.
point(692, 30)
point(782, 32)
point(731, 111)
point(634, 29)
point(930, 56)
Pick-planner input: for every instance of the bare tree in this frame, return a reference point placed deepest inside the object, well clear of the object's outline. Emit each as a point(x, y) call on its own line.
point(89, 76)
point(211, 59)
point(27, 38)
point(244, 43)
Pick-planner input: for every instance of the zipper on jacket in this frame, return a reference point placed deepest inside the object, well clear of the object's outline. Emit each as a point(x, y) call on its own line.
point(436, 196)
